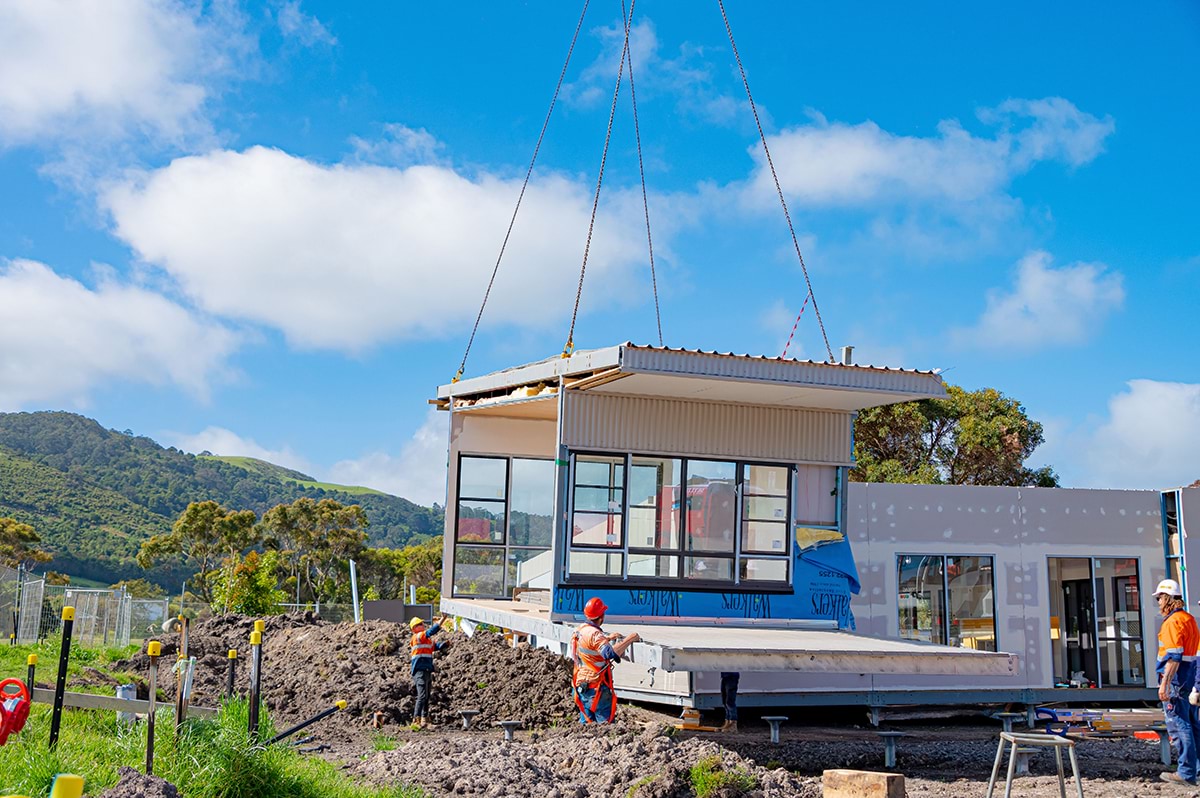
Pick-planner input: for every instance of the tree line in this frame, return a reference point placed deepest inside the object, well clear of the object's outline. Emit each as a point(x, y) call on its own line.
point(297, 552)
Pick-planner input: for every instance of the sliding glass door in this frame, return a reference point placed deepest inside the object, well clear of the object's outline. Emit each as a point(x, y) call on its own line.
point(1096, 622)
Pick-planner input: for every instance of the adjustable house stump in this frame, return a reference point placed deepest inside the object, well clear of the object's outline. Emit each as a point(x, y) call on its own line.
point(1164, 742)
point(889, 746)
point(509, 727)
point(467, 716)
point(776, 721)
point(1008, 718)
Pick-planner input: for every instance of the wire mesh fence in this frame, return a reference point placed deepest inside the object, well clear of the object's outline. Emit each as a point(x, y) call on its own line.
point(31, 610)
point(103, 617)
point(10, 585)
point(335, 613)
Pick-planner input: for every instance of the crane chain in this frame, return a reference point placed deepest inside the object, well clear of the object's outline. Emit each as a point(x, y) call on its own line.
point(778, 189)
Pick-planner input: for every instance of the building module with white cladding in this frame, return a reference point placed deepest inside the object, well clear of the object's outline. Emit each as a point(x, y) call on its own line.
point(704, 497)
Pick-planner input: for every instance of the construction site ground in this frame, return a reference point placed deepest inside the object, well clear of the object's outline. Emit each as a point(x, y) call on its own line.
point(310, 664)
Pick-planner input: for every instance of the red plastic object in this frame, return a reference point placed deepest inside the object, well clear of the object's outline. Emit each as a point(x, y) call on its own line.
point(14, 708)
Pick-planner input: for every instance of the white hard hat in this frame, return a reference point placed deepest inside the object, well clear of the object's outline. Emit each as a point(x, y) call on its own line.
point(1170, 587)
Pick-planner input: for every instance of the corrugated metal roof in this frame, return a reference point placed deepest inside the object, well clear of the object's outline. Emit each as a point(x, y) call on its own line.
point(713, 352)
point(637, 358)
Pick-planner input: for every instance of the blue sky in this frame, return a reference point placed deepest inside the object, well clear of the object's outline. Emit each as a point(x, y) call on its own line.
point(266, 228)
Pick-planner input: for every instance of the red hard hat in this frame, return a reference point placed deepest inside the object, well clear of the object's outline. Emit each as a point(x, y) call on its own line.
point(594, 608)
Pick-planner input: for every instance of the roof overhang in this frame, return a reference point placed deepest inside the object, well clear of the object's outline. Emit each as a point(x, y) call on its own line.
point(633, 370)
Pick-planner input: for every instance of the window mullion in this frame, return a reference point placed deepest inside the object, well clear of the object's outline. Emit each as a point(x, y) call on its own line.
point(945, 600)
point(625, 517)
point(739, 511)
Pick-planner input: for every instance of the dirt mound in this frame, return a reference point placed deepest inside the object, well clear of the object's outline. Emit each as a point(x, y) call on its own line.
point(579, 762)
point(138, 785)
point(309, 664)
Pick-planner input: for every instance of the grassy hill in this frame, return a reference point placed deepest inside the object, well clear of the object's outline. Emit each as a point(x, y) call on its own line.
point(94, 494)
point(272, 471)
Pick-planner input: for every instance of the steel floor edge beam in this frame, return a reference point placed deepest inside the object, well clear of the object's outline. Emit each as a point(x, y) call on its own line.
point(889, 698)
point(860, 662)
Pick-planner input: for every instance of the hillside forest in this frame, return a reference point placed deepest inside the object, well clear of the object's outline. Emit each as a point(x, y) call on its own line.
point(94, 496)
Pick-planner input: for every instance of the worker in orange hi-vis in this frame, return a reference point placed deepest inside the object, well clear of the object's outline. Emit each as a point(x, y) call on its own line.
point(595, 653)
point(421, 651)
point(1178, 642)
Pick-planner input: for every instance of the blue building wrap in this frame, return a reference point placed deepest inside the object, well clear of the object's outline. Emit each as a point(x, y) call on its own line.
point(824, 578)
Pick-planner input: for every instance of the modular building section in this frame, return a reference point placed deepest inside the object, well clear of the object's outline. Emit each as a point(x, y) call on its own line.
point(670, 483)
point(682, 488)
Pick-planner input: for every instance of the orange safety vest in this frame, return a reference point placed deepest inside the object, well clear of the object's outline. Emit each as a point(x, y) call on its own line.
point(590, 665)
point(592, 670)
point(421, 646)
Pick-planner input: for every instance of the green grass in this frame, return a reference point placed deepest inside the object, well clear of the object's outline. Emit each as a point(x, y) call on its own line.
point(709, 776)
point(13, 663)
point(263, 468)
point(210, 759)
point(383, 742)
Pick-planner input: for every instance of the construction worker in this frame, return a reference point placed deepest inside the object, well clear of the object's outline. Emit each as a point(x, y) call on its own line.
point(422, 648)
point(1178, 641)
point(594, 653)
point(729, 690)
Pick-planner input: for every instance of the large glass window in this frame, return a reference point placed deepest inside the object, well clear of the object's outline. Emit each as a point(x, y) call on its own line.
point(1096, 622)
point(712, 521)
point(765, 509)
point(503, 525)
point(947, 599)
point(482, 495)
point(599, 502)
point(922, 599)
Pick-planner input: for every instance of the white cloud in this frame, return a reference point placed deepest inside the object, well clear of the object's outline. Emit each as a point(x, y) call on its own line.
point(686, 79)
point(1048, 306)
point(226, 443)
point(302, 27)
point(107, 69)
point(1150, 439)
point(418, 472)
point(822, 164)
point(346, 256)
point(60, 339)
point(400, 146)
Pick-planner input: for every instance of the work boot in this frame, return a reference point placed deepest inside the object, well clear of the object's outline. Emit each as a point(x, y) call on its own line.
point(1175, 778)
point(421, 723)
point(729, 726)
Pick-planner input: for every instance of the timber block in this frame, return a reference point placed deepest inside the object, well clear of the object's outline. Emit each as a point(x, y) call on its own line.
point(862, 784)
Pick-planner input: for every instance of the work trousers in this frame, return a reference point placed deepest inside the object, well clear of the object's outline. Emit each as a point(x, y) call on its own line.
point(597, 704)
point(729, 688)
point(423, 681)
point(1183, 724)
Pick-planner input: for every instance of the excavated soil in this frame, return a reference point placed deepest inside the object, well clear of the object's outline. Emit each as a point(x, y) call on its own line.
point(310, 664)
point(132, 784)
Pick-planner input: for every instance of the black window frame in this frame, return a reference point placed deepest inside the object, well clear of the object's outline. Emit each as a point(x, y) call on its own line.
point(947, 608)
point(737, 556)
point(505, 545)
